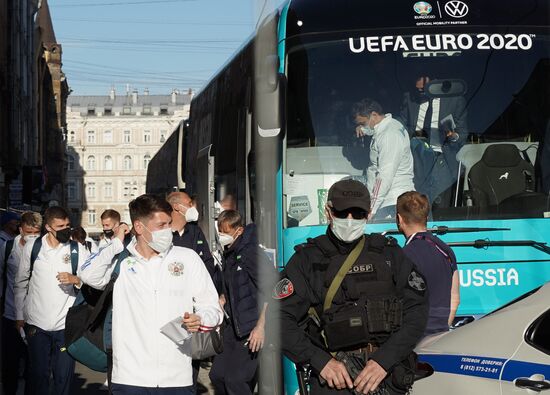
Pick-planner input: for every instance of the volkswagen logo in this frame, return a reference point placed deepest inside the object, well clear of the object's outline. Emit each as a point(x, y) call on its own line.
point(456, 9)
point(422, 8)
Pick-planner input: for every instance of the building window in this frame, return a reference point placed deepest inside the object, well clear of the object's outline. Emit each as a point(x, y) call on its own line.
point(107, 137)
point(146, 160)
point(71, 191)
point(163, 110)
point(127, 137)
point(147, 136)
point(91, 137)
point(108, 190)
point(91, 162)
point(127, 215)
point(108, 111)
point(126, 110)
point(90, 190)
point(70, 162)
point(108, 163)
point(91, 217)
point(162, 136)
point(127, 162)
point(147, 109)
point(130, 189)
point(72, 137)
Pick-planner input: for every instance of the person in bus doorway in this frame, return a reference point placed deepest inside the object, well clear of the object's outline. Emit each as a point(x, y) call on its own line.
point(433, 258)
point(234, 370)
point(187, 233)
point(438, 129)
point(13, 346)
point(158, 283)
point(44, 290)
point(347, 293)
point(390, 171)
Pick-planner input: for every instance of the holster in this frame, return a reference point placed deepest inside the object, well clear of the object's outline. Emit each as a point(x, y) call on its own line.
point(403, 374)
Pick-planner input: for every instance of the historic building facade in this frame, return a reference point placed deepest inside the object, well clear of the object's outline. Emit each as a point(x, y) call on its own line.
point(110, 141)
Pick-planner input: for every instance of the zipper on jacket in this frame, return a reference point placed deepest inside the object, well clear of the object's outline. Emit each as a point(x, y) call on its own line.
point(157, 343)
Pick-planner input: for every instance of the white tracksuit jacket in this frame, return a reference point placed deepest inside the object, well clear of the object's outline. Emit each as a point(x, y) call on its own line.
point(147, 295)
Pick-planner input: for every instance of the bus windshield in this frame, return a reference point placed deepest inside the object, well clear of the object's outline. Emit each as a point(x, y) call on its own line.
point(475, 107)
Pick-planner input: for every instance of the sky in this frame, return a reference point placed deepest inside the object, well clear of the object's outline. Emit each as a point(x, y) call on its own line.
point(160, 45)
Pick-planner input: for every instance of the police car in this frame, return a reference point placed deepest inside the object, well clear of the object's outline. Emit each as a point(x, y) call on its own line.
point(505, 352)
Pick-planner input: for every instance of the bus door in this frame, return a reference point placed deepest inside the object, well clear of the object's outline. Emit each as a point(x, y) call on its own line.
point(204, 181)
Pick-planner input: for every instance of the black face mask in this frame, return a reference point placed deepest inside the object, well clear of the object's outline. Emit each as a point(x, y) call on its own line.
point(109, 233)
point(63, 235)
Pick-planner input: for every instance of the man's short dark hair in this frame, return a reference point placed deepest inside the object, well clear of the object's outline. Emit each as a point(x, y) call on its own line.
point(79, 234)
point(147, 205)
point(414, 207)
point(55, 212)
point(112, 214)
point(232, 218)
point(365, 107)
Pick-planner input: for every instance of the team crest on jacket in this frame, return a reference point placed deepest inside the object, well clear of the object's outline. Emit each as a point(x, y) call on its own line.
point(176, 269)
point(416, 281)
point(66, 258)
point(283, 289)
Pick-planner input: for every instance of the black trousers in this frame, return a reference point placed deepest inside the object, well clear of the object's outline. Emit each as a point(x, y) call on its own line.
point(234, 370)
point(13, 351)
point(317, 389)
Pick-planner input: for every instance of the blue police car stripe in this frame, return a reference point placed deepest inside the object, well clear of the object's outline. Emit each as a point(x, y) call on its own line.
point(486, 367)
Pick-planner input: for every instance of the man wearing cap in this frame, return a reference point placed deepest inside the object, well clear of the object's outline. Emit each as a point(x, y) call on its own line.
point(347, 291)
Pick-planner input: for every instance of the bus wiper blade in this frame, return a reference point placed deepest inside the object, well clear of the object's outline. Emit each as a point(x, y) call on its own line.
point(502, 243)
point(442, 230)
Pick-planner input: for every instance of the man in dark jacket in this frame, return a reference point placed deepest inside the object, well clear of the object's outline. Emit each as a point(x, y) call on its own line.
point(234, 370)
point(438, 128)
point(360, 318)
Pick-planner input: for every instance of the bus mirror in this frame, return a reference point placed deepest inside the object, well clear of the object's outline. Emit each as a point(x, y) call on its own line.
point(267, 80)
point(268, 98)
point(446, 88)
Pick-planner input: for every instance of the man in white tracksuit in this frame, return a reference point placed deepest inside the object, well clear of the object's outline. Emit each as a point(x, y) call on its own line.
point(157, 283)
point(391, 169)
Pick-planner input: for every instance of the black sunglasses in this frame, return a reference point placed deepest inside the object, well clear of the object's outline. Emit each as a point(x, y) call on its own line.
point(356, 213)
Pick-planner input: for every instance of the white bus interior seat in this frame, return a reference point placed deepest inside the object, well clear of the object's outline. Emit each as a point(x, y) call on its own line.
point(498, 171)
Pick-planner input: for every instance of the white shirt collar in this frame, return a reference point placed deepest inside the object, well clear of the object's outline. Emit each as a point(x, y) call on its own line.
point(380, 125)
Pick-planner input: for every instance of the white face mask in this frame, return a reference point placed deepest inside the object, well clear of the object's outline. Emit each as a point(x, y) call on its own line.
point(28, 238)
point(367, 130)
point(226, 239)
point(192, 214)
point(161, 239)
point(348, 230)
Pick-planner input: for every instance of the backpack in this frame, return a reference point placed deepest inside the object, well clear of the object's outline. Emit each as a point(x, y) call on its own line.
point(36, 250)
point(88, 327)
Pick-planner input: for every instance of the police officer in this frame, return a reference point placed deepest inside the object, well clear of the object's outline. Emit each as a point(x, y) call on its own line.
point(375, 310)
